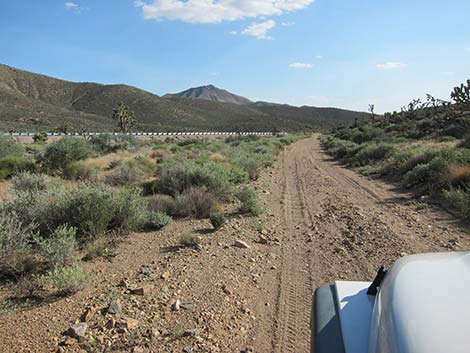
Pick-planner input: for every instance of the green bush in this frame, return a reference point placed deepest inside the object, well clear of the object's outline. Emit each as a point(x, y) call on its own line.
point(459, 200)
point(29, 182)
point(195, 202)
point(156, 221)
point(60, 153)
point(66, 280)
point(91, 209)
point(80, 170)
point(249, 203)
point(217, 219)
point(190, 240)
point(8, 148)
point(163, 204)
point(372, 153)
point(108, 143)
point(125, 173)
point(59, 248)
point(15, 245)
point(40, 137)
point(13, 165)
point(433, 175)
point(179, 174)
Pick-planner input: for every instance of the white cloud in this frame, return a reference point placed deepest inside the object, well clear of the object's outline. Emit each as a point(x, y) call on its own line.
point(319, 57)
point(216, 11)
point(234, 33)
point(391, 65)
point(300, 66)
point(73, 6)
point(259, 30)
point(287, 24)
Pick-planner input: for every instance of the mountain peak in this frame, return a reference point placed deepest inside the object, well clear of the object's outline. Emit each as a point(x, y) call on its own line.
point(212, 93)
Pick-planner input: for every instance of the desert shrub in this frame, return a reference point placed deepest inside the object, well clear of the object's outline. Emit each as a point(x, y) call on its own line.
point(163, 204)
point(156, 220)
point(179, 174)
point(66, 280)
point(125, 173)
point(190, 240)
point(40, 137)
point(217, 157)
point(81, 170)
point(15, 245)
point(195, 202)
point(372, 153)
point(158, 155)
point(459, 200)
point(465, 143)
point(217, 219)
point(29, 182)
point(108, 143)
point(428, 176)
point(60, 153)
point(250, 164)
point(129, 208)
point(91, 209)
point(420, 155)
point(59, 248)
point(249, 203)
point(8, 147)
point(103, 246)
point(13, 164)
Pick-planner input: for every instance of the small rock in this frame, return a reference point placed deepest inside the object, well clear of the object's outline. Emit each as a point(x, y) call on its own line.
point(241, 244)
point(141, 290)
point(248, 349)
point(176, 305)
point(192, 332)
point(262, 240)
point(129, 323)
point(110, 324)
point(69, 341)
point(187, 350)
point(187, 305)
point(78, 331)
point(115, 307)
point(165, 275)
point(88, 313)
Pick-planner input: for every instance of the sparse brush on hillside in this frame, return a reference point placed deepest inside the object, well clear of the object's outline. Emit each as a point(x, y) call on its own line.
point(416, 146)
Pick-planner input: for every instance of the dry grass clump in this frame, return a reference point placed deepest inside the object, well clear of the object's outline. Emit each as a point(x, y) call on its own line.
point(459, 175)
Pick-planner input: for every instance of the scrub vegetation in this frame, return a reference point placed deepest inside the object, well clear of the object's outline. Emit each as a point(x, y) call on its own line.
point(72, 199)
point(426, 147)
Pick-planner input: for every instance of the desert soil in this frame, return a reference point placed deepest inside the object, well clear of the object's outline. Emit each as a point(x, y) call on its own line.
point(323, 223)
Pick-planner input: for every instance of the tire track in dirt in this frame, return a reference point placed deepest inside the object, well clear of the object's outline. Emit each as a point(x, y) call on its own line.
point(336, 224)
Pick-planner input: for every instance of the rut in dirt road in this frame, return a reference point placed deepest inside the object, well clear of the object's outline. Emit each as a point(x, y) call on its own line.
point(335, 225)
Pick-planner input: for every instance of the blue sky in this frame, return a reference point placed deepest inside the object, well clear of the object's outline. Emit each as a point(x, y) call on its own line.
point(344, 53)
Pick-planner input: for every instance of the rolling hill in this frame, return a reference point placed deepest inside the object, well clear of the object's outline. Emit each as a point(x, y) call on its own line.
point(34, 102)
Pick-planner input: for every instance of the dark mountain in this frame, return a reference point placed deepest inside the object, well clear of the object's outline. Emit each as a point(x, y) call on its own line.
point(33, 102)
point(210, 93)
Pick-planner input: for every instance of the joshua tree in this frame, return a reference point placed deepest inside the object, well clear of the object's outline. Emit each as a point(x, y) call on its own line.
point(461, 94)
point(124, 118)
point(372, 111)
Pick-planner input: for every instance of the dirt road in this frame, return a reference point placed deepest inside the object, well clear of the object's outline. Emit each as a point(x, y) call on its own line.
point(323, 222)
point(336, 224)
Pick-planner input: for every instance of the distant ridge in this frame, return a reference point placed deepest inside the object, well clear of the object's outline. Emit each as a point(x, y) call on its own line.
point(211, 93)
point(33, 102)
